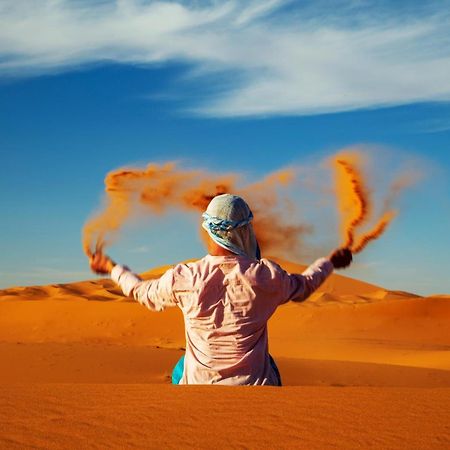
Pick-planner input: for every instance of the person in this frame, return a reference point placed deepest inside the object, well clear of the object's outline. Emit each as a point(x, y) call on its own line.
point(226, 298)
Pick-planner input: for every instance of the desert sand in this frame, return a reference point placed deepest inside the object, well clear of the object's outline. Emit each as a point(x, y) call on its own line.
point(362, 367)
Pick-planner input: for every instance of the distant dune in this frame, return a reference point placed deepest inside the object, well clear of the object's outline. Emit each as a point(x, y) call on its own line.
point(81, 361)
point(337, 284)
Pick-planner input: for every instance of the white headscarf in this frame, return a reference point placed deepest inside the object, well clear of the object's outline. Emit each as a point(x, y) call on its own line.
point(228, 222)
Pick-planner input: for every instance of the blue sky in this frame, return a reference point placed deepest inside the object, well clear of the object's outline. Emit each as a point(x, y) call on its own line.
point(86, 87)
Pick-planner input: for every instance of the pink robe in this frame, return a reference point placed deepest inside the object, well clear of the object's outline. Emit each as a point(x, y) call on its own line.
point(226, 303)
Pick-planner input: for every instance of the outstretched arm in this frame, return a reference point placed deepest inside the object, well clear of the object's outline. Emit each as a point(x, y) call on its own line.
point(154, 294)
point(299, 287)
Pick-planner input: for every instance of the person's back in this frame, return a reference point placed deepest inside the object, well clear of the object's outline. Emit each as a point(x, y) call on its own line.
point(226, 302)
point(227, 298)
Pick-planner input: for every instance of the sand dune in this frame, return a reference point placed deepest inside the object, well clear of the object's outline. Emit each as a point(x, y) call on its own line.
point(353, 356)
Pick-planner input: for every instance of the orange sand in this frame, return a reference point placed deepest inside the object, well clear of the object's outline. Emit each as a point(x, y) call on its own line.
point(355, 203)
point(157, 188)
point(363, 368)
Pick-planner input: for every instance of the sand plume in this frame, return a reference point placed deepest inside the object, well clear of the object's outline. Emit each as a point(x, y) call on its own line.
point(159, 187)
point(355, 201)
point(353, 198)
point(374, 233)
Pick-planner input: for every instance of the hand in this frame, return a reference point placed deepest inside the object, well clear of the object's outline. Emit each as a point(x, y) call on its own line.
point(341, 258)
point(101, 264)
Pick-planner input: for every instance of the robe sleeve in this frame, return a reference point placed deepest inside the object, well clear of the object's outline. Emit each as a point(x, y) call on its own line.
point(298, 287)
point(156, 294)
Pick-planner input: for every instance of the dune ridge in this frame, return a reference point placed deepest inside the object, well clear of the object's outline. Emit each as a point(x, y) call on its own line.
point(94, 289)
point(345, 320)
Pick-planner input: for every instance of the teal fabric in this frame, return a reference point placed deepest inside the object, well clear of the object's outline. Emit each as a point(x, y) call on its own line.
point(178, 370)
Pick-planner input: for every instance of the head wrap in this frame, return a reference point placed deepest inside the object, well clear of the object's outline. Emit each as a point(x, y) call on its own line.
point(228, 222)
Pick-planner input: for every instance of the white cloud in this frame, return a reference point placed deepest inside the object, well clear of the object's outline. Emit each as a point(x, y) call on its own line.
point(273, 57)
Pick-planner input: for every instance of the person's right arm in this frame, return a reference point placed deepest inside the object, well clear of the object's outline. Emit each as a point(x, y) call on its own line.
point(298, 287)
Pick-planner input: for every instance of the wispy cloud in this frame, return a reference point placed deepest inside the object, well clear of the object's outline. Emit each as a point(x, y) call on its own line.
point(273, 56)
point(435, 126)
point(141, 249)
